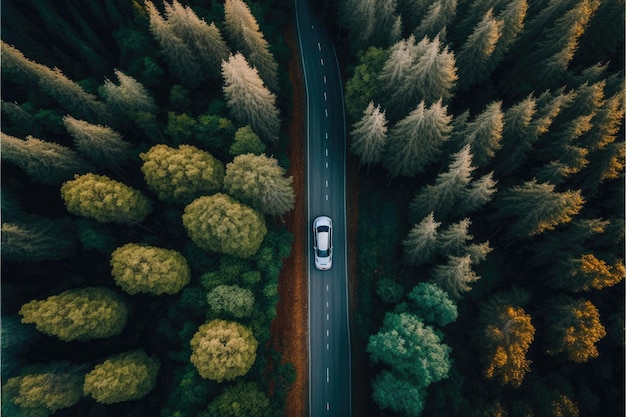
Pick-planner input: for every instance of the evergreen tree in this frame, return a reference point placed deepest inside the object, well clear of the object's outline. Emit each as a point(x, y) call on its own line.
point(242, 400)
point(456, 275)
point(369, 22)
point(246, 141)
point(249, 101)
point(248, 39)
point(369, 135)
point(149, 269)
point(479, 193)
point(219, 223)
point(37, 239)
point(534, 208)
point(416, 140)
point(231, 299)
point(448, 190)
point(435, 71)
point(205, 40)
point(438, 17)
point(45, 162)
point(432, 304)
point(100, 144)
point(261, 183)
point(452, 241)
point(179, 175)
point(574, 328)
point(44, 390)
point(518, 135)
point(474, 57)
point(124, 377)
point(78, 314)
point(104, 199)
point(223, 350)
point(586, 273)
point(420, 244)
point(54, 83)
point(484, 133)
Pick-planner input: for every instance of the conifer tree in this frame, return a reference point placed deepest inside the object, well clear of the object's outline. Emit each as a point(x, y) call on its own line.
point(452, 241)
point(261, 183)
point(484, 133)
point(420, 244)
point(518, 135)
point(223, 350)
point(221, 224)
point(574, 328)
point(37, 240)
point(479, 193)
point(456, 275)
point(435, 71)
point(586, 273)
point(248, 39)
point(416, 140)
point(369, 135)
point(369, 22)
point(205, 40)
point(123, 377)
point(102, 145)
point(45, 162)
point(246, 141)
point(534, 208)
point(78, 314)
point(395, 76)
point(249, 101)
point(179, 175)
point(448, 190)
point(148, 269)
point(437, 18)
point(104, 199)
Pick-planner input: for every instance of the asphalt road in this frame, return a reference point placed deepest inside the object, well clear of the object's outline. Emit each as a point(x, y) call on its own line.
point(329, 338)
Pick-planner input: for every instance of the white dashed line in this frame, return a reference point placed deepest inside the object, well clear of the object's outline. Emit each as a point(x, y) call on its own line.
point(327, 346)
point(327, 333)
point(326, 135)
point(326, 111)
point(326, 187)
point(325, 96)
point(319, 46)
point(324, 79)
point(322, 61)
point(326, 151)
point(327, 375)
point(326, 197)
point(327, 317)
point(326, 164)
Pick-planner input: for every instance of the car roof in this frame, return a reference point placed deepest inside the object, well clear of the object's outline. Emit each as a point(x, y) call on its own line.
point(322, 240)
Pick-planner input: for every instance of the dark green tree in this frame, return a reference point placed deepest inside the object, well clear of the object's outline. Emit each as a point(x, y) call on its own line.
point(484, 134)
point(362, 86)
point(242, 400)
point(369, 135)
point(393, 392)
point(432, 304)
point(420, 246)
point(456, 275)
point(246, 141)
point(37, 239)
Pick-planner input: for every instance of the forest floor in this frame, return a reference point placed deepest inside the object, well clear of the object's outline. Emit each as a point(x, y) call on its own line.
point(289, 329)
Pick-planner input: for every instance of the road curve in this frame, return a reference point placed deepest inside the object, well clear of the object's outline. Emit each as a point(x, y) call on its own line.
point(329, 333)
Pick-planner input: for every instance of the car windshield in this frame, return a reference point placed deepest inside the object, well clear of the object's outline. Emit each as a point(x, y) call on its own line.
point(323, 253)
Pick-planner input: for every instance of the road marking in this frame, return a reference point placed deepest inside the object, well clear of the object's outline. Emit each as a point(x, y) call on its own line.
point(322, 61)
point(326, 164)
point(327, 317)
point(327, 333)
point(326, 111)
point(327, 346)
point(327, 406)
point(326, 303)
point(326, 287)
point(326, 197)
point(319, 46)
point(327, 375)
point(324, 79)
point(325, 96)
point(326, 183)
point(326, 135)
point(326, 151)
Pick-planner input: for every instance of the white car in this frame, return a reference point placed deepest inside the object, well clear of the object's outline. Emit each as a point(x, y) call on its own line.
point(323, 242)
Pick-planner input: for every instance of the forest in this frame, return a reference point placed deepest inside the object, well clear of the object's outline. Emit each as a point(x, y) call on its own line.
point(144, 184)
point(143, 192)
point(489, 137)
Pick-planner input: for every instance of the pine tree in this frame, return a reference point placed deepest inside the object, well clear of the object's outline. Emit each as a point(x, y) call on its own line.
point(416, 140)
point(369, 22)
point(100, 144)
point(533, 208)
point(123, 377)
point(249, 101)
point(223, 350)
point(148, 269)
point(37, 240)
point(130, 101)
point(518, 135)
point(248, 39)
point(479, 193)
point(484, 133)
point(45, 162)
point(456, 275)
point(586, 273)
point(221, 224)
point(420, 245)
point(435, 72)
point(474, 57)
point(106, 200)
point(179, 175)
point(205, 40)
point(369, 136)
point(437, 18)
point(574, 328)
point(78, 314)
point(452, 241)
point(448, 190)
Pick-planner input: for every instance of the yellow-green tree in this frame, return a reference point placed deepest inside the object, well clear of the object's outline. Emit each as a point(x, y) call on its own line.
point(147, 269)
point(179, 175)
point(104, 199)
point(223, 350)
point(124, 377)
point(78, 314)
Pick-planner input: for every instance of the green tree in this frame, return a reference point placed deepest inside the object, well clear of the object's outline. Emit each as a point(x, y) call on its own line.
point(104, 199)
point(484, 133)
point(369, 135)
point(421, 244)
point(534, 208)
point(453, 240)
point(479, 193)
point(101, 145)
point(369, 22)
point(179, 175)
point(432, 304)
point(248, 39)
point(258, 180)
point(147, 269)
point(45, 162)
point(518, 135)
point(249, 101)
point(415, 141)
point(242, 400)
point(362, 86)
point(44, 390)
point(78, 314)
point(389, 290)
point(219, 223)
point(456, 275)
point(37, 239)
point(123, 377)
point(231, 299)
point(398, 394)
point(246, 141)
point(223, 350)
point(436, 19)
point(573, 328)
